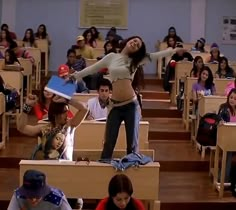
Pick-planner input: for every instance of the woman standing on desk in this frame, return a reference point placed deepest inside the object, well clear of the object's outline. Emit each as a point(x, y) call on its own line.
point(123, 103)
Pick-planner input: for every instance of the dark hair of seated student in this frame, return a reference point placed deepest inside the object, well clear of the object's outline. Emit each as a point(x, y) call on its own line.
point(10, 57)
point(171, 42)
point(89, 38)
point(209, 82)
point(226, 109)
point(109, 47)
point(29, 37)
point(95, 32)
point(120, 192)
point(198, 65)
point(41, 32)
point(200, 45)
point(224, 70)
point(172, 33)
point(104, 82)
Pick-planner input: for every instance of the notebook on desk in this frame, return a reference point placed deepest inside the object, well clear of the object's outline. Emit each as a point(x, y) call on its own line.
point(59, 87)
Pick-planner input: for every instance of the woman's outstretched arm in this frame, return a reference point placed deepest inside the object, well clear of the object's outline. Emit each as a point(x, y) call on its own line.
point(103, 63)
point(152, 57)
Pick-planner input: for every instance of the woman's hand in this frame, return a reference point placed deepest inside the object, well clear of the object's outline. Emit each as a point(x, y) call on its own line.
point(31, 100)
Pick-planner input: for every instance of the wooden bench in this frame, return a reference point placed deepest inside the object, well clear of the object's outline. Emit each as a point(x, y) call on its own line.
point(91, 181)
point(220, 85)
point(90, 135)
point(90, 62)
point(226, 142)
point(98, 52)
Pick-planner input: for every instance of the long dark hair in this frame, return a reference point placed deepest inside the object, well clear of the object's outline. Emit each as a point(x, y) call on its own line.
point(209, 82)
point(54, 110)
point(31, 39)
point(136, 58)
point(92, 40)
point(95, 36)
point(44, 33)
point(12, 57)
point(168, 41)
point(113, 49)
point(8, 36)
point(194, 69)
point(118, 184)
point(202, 48)
point(227, 105)
point(227, 69)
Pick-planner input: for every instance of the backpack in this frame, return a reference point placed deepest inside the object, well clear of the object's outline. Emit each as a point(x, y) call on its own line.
point(12, 100)
point(207, 130)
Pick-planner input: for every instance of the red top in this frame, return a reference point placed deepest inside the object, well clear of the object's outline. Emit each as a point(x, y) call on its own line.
point(40, 113)
point(102, 204)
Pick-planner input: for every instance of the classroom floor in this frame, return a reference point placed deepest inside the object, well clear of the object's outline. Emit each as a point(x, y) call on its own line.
point(184, 180)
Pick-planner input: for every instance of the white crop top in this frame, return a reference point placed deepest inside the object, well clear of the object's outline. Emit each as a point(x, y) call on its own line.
point(118, 65)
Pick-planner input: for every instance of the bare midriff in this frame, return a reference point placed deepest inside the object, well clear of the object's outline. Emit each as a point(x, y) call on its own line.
point(122, 90)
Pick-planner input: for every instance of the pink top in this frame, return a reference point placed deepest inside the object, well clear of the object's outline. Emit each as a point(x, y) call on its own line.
point(232, 118)
point(229, 87)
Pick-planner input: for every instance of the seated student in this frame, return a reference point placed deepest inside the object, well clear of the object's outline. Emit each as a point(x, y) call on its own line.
point(112, 34)
point(21, 52)
point(227, 112)
point(29, 39)
point(4, 26)
point(224, 70)
point(171, 42)
point(215, 54)
point(182, 55)
point(89, 39)
point(204, 86)
point(172, 33)
point(35, 193)
point(58, 121)
point(64, 71)
point(42, 33)
point(5, 38)
point(97, 106)
point(96, 34)
point(197, 66)
point(10, 58)
point(108, 48)
point(120, 191)
point(200, 45)
point(82, 49)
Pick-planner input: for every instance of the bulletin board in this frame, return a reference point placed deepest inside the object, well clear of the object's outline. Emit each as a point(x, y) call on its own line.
point(103, 13)
point(229, 30)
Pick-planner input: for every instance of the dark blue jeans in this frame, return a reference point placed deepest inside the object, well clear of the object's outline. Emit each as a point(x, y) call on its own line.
point(130, 114)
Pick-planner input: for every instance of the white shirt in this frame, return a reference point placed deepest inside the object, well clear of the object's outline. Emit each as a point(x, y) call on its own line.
point(95, 109)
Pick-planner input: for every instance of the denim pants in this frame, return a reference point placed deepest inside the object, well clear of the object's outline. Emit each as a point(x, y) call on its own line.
point(130, 114)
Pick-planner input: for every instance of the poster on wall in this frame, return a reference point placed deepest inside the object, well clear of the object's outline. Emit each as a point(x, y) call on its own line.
point(229, 30)
point(103, 13)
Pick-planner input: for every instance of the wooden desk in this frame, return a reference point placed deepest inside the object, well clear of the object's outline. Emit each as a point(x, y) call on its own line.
point(98, 52)
point(220, 85)
point(82, 97)
point(90, 135)
point(91, 181)
point(226, 142)
point(95, 154)
point(207, 104)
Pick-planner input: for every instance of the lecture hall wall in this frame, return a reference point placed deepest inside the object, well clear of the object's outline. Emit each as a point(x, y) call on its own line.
point(149, 19)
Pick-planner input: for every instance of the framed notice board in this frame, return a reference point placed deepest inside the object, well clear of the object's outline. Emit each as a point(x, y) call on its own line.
point(103, 13)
